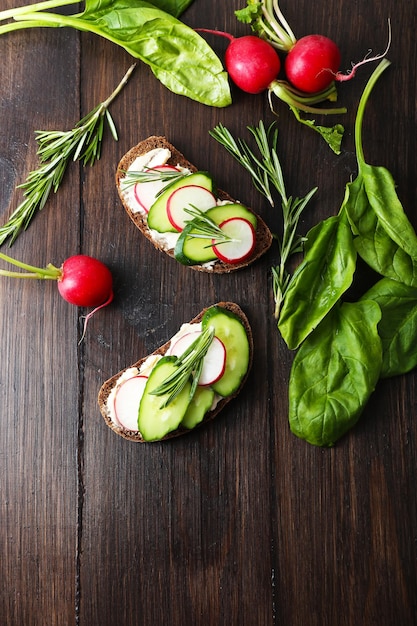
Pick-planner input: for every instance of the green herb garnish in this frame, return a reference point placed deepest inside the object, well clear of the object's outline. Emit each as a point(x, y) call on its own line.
point(204, 227)
point(55, 150)
point(189, 366)
point(132, 177)
point(267, 175)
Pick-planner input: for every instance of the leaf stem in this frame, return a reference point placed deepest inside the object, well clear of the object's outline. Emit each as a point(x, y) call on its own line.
point(30, 8)
point(381, 67)
point(49, 272)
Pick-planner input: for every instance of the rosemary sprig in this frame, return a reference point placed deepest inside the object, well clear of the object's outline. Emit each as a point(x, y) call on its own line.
point(203, 227)
point(150, 175)
point(55, 150)
point(266, 172)
point(189, 365)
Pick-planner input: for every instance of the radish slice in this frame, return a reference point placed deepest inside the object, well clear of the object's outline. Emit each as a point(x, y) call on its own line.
point(188, 197)
point(214, 362)
point(242, 243)
point(127, 400)
point(145, 193)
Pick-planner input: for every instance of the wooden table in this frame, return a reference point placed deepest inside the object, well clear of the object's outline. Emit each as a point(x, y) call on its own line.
point(239, 522)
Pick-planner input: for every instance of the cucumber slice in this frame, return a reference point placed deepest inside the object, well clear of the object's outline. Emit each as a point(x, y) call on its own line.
point(225, 212)
point(158, 216)
point(155, 420)
point(198, 407)
point(229, 329)
point(192, 250)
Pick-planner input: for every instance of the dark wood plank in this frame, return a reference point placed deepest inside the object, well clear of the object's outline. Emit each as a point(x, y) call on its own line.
point(39, 382)
point(239, 522)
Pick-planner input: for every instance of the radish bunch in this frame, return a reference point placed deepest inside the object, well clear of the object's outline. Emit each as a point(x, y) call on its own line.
point(81, 280)
point(311, 64)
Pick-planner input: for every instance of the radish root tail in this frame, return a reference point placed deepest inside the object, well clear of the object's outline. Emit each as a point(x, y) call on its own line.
point(90, 315)
point(340, 77)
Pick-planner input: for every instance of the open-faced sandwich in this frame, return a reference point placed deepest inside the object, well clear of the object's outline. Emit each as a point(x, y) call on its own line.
point(184, 383)
point(180, 210)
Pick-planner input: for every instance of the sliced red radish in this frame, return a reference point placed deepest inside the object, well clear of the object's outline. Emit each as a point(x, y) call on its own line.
point(214, 362)
point(146, 193)
point(127, 400)
point(242, 242)
point(188, 197)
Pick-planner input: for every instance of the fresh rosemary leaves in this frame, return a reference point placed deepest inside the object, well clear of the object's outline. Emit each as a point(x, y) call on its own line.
point(55, 150)
point(203, 227)
point(189, 365)
point(267, 176)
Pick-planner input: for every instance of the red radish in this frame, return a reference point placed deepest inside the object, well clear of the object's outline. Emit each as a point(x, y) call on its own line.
point(82, 280)
point(312, 63)
point(187, 197)
point(85, 281)
point(127, 401)
point(145, 193)
point(214, 361)
point(251, 62)
point(242, 240)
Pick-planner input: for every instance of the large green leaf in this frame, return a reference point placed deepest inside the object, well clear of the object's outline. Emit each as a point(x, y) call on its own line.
point(174, 7)
point(325, 273)
point(178, 56)
point(334, 373)
point(384, 237)
point(398, 326)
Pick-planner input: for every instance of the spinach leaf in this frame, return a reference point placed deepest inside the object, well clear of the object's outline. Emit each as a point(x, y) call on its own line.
point(398, 325)
point(334, 373)
point(178, 56)
point(325, 273)
point(174, 7)
point(384, 237)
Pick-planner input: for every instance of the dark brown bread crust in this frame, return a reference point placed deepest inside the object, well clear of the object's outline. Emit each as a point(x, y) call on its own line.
point(263, 234)
point(109, 384)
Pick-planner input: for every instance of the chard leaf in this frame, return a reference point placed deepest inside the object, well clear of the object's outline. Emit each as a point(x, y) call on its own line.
point(398, 325)
point(334, 373)
point(325, 273)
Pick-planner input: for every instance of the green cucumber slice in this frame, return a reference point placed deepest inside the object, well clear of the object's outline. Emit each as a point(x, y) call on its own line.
point(224, 212)
point(158, 218)
point(229, 329)
point(198, 407)
point(193, 250)
point(154, 420)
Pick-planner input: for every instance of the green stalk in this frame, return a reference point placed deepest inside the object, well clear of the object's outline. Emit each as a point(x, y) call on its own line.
point(49, 272)
point(361, 109)
point(302, 102)
point(30, 8)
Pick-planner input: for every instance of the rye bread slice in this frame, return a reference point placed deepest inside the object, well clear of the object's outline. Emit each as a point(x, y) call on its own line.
point(263, 234)
point(107, 387)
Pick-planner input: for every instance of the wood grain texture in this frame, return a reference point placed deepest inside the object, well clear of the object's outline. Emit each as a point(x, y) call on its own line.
point(239, 522)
